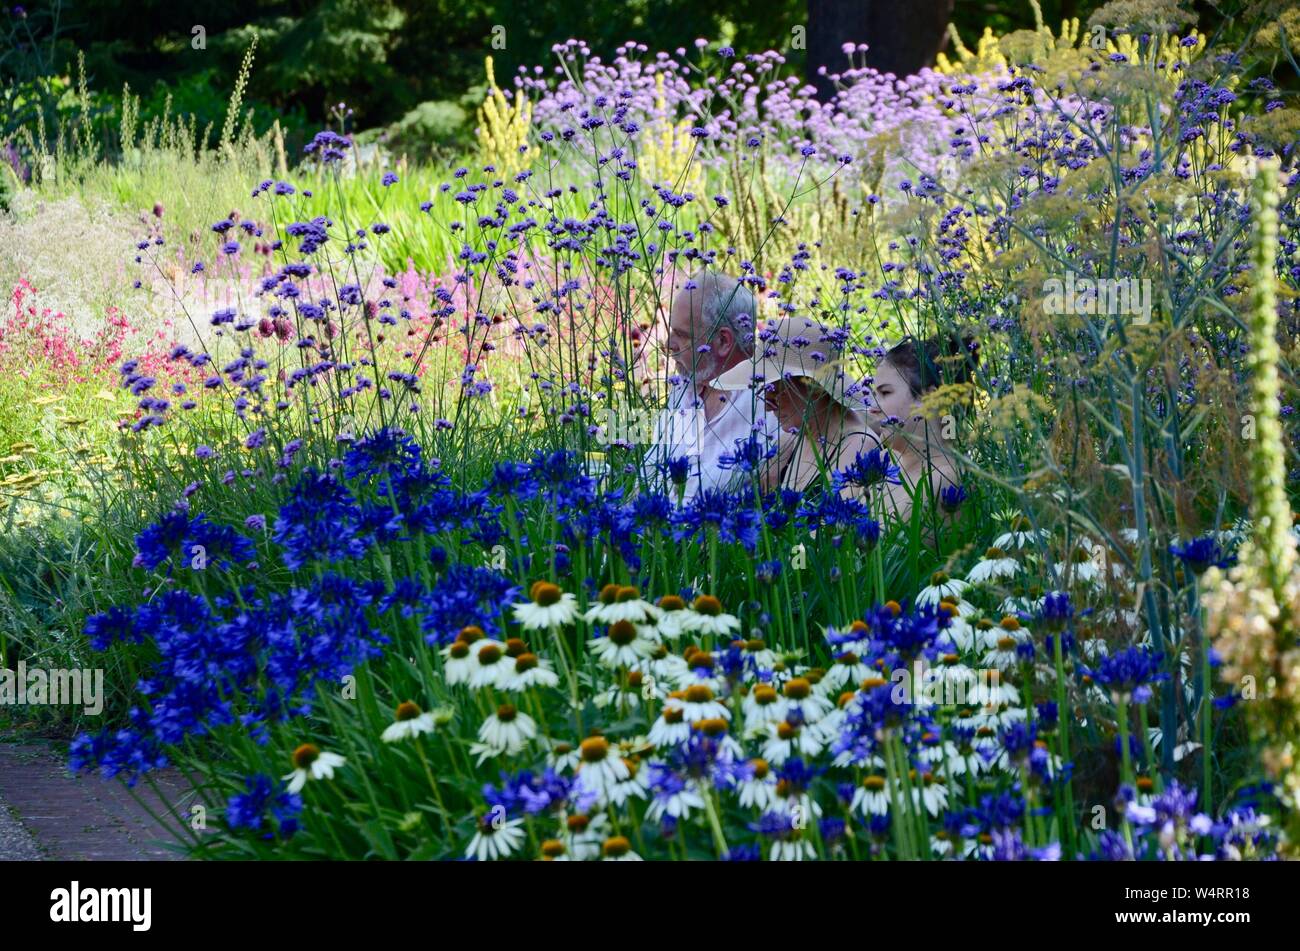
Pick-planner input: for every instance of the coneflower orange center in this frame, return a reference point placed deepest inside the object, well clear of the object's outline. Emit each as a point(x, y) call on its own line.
point(708, 604)
point(546, 594)
point(407, 710)
point(622, 633)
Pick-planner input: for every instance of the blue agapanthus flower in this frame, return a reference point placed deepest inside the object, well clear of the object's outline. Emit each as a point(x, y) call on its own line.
point(1127, 670)
point(466, 595)
point(197, 542)
point(320, 521)
point(385, 453)
point(248, 810)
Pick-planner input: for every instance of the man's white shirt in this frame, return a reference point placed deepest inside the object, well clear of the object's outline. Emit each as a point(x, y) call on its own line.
point(682, 430)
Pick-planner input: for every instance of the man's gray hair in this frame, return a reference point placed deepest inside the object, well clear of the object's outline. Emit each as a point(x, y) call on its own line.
point(726, 302)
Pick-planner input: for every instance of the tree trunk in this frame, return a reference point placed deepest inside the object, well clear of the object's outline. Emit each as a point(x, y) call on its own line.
point(902, 35)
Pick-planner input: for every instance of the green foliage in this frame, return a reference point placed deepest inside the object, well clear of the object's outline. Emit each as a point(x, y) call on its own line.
point(437, 124)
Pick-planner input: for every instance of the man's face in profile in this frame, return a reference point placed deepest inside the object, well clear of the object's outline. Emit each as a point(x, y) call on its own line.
point(685, 337)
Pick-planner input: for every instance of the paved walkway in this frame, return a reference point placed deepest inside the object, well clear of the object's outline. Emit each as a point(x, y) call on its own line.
point(46, 813)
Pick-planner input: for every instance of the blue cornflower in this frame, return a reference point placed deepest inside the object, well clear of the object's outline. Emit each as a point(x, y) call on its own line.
point(867, 469)
point(951, 497)
point(1057, 610)
point(1199, 554)
point(731, 516)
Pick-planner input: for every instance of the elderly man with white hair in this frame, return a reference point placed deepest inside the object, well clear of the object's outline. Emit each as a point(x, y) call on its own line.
point(710, 330)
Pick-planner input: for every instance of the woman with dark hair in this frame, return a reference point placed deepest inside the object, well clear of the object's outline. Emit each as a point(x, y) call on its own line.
point(921, 446)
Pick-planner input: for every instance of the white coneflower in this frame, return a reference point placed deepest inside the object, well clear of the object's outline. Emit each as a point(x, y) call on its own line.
point(990, 754)
point(1155, 734)
point(756, 655)
point(583, 834)
point(672, 614)
point(995, 564)
point(644, 684)
point(310, 763)
point(1010, 636)
point(622, 696)
point(1020, 534)
point(786, 739)
point(707, 617)
point(1086, 560)
point(678, 803)
point(960, 630)
point(561, 756)
point(871, 797)
point(554, 850)
point(789, 843)
point(698, 703)
point(701, 670)
point(492, 668)
point(792, 850)
point(941, 756)
point(941, 588)
point(930, 790)
point(598, 770)
point(799, 693)
point(829, 727)
point(855, 640)
point(728, 749)
point(984, 635)
point(409, 722)
point(762, 705)
point(758, 791)
point(618, 849)
point(496, 838)
point(664, 667)
point(993, 716)
point(623, 645)
point(458, 661)
point(956, 680)
point(621, 603)
point(530, 671)
point(1021, 603)
point(549, 607)
point(633, 787)
point(507, 731)
point(847, 669)
point(671, 728)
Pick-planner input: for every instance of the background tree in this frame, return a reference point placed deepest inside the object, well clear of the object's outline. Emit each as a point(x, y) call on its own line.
point(902, 37)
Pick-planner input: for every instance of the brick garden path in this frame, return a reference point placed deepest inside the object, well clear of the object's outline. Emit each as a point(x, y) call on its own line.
point(46, 813)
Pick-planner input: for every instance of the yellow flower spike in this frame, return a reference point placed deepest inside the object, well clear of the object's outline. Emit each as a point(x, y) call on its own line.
point(667, 158)
point(503, 129)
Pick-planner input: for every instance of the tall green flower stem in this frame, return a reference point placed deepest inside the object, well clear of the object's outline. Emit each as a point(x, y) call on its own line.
point(1066, 815)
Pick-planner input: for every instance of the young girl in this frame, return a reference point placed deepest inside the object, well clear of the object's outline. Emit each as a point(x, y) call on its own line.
point(920, 445)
